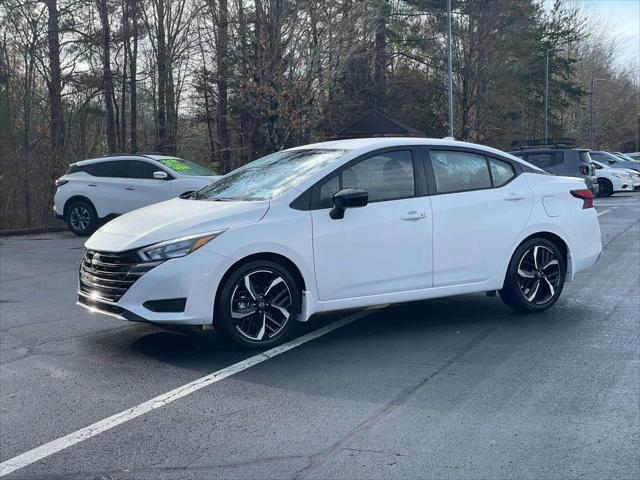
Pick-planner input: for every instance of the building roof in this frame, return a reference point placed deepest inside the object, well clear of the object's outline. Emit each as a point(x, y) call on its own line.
point(376, 124)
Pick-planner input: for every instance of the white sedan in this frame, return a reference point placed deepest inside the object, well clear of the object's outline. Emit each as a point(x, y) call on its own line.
point(611, 180)
point(344, 224)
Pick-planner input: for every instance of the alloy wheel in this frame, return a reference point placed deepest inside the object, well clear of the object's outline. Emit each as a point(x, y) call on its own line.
point(538, 274)
point(80, 218)
point(261, 304)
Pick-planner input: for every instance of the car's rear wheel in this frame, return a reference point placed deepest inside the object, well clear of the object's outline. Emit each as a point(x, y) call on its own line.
point(81, 218)
point(606, 187)
point(258, 304)
point(535, 276)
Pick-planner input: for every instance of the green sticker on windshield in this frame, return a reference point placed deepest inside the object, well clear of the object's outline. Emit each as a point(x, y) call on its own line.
point(175, 164)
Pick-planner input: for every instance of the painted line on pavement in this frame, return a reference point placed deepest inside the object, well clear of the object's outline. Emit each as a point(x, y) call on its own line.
point(94, 429)
point(603, 212)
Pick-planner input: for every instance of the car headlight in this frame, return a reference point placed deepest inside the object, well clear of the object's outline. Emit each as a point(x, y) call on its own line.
point(175, 248)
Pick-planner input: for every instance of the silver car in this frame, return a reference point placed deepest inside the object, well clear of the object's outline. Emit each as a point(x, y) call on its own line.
point(614, 161)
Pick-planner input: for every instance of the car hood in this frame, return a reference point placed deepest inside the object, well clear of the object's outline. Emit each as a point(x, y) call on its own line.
point(173, 219)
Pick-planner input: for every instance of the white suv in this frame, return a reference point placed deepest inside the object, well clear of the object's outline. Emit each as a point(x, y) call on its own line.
point(96, 190)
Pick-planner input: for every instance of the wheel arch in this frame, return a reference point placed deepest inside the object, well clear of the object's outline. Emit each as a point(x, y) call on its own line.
point(271, 256)
point(559, 242)
point(77, 198)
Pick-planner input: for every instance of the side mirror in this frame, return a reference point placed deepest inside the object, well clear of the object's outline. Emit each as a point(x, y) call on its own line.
point(348, 198)
point(160, 175)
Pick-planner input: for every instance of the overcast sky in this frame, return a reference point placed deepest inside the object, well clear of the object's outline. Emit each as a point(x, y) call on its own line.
point(623, 17)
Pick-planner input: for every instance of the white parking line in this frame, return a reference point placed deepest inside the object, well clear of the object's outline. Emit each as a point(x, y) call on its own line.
point(94, 429)
point(603, 212)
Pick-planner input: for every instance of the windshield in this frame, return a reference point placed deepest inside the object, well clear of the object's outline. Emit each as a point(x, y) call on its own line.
point(185, 167)
point(270, 176)
point(626, 157)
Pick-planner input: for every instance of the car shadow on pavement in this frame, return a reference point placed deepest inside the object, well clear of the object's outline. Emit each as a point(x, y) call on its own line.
point(206, 351)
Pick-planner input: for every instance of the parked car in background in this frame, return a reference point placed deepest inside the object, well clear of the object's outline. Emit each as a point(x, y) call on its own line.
point(554, 157)
point(611, 180)
point(614, 161)
point(634, 156)
point(623, 156)
point(93, 191)
point(339, 225)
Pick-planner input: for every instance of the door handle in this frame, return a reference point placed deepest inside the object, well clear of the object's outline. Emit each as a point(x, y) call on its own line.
point(129, 188)
point(93, 185)
point(413, 215)
point(514, 197)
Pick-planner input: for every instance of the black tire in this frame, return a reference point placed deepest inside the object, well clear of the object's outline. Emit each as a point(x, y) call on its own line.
point(260, 319)
point(81, 217)
point(547, 272)
point(606, 187)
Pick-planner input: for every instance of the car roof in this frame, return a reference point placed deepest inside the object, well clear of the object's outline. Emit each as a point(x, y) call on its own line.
point(383, 142)
point(124, 156)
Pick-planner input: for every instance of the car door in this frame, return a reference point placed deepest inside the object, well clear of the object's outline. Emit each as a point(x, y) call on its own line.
point(104, 186)
point(384, 247)
point(480, 206)
point(141, 189)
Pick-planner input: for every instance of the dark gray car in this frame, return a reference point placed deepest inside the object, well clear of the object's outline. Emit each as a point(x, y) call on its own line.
point(614, 161)
point(569, 162)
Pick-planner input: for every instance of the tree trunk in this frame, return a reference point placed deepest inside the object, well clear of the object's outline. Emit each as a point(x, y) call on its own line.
point(161, 61)
point(380, 54)
point(205, 92)
point(133, 90)
point(54, 84)
point(123, 97)
point(222, 55)
point(107, 78)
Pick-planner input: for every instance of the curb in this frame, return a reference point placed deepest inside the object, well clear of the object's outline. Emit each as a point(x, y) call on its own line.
point(31, 231)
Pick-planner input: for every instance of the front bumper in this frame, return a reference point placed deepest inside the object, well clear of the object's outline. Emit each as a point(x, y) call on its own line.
point(194, 277)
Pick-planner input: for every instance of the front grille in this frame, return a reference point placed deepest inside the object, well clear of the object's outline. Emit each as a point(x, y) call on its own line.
point(108, 276)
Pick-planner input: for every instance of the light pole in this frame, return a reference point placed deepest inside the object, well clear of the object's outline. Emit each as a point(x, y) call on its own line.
point(449, 69)
point(547, 51)
point(593, 85)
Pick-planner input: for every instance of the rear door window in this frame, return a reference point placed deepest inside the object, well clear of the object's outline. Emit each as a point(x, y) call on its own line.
point(459, 171)
point(111, 169)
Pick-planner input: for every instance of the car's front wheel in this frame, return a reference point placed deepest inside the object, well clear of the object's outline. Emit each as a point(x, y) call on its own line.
point(81, 218)
point(535, 276)
point(258, 304)
point(605, 187)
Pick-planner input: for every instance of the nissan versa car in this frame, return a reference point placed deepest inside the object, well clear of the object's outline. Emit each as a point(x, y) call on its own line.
point(339, 225)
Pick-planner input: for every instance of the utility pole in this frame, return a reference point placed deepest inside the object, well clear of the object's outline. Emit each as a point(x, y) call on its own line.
point(449, 69)
point(591, 122)
point(547, 51)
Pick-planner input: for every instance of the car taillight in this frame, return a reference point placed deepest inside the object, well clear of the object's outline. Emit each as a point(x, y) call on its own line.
point(585, 195)
point(584, 170)
point(60, 182)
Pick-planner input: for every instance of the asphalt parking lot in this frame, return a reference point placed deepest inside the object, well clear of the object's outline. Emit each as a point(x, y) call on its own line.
point(453, 388)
